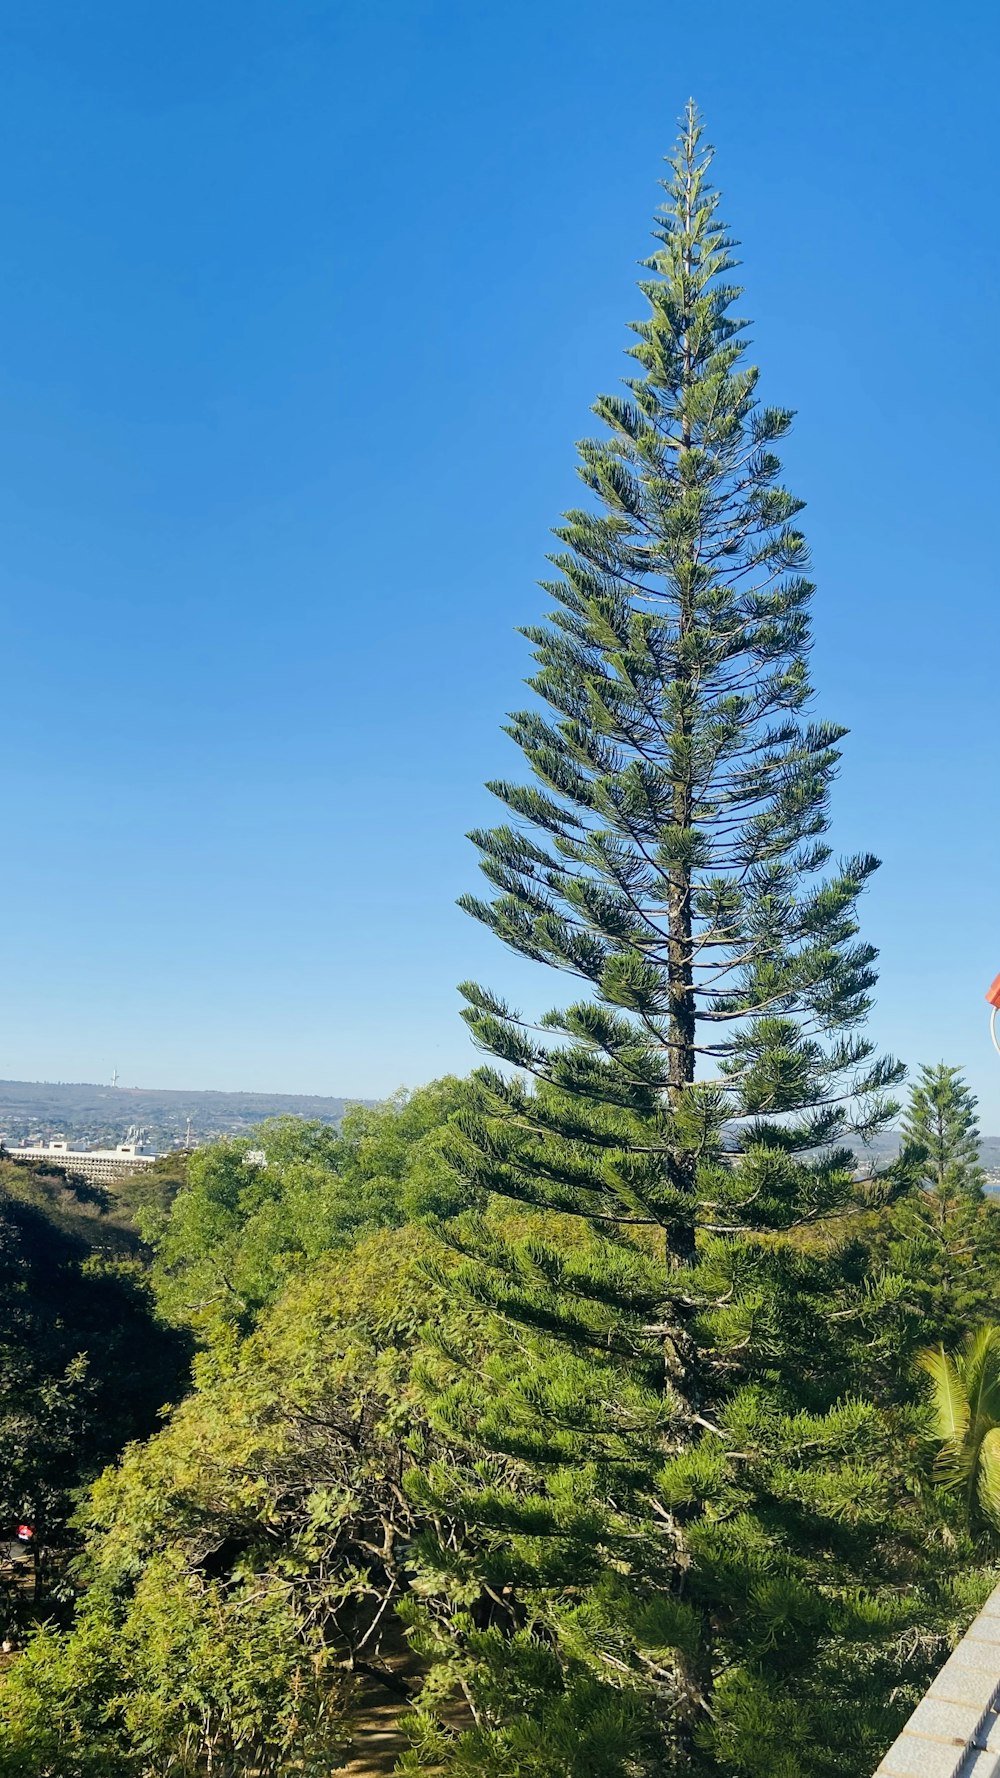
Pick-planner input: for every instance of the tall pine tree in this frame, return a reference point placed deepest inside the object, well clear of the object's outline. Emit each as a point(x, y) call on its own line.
point(687, 1540)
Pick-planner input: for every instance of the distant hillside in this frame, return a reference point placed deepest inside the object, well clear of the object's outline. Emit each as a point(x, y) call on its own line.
point(85, 1112)
point(887, 1144)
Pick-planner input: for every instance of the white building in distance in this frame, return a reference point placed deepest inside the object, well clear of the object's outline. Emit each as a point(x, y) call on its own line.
point(97, 1165)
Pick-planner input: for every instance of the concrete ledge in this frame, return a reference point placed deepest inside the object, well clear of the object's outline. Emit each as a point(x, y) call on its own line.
point(955, 1730)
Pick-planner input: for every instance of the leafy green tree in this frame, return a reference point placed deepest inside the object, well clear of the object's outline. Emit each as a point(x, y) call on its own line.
point(240, 1567)
point(153, 1189)
point(231, 1237)
point(230, 1240)
point(400, 1149)
point(688, 1540)
point(965, 1401)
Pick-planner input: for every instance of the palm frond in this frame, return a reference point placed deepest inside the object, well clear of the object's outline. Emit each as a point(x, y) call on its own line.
point(949, 1399)
point(988, 1479)
point(979, 1368)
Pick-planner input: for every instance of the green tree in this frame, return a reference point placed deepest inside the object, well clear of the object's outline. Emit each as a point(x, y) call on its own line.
point(227, 1243)
point(399, 1148)
point(153, 1189)
point(941, 1119)
point(687, 1540)
point(944, 1234)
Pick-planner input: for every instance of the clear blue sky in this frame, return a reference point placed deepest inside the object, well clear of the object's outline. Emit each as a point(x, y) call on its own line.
point(304, 304)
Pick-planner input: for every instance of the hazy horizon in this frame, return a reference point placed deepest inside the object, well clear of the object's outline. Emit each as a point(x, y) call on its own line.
point(106, 1088)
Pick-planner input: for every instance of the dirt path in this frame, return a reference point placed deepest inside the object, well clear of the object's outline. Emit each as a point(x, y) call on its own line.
point(378, 1744)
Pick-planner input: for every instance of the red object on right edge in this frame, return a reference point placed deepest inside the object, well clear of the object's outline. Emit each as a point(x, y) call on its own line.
point(993, 993)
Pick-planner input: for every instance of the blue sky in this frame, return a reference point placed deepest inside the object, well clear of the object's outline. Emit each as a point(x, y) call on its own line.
point(303, 307)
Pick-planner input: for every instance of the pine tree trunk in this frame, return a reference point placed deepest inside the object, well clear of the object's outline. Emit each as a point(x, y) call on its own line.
point(679, 953)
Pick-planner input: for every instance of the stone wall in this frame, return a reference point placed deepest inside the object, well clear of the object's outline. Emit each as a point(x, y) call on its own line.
point(955, 1730)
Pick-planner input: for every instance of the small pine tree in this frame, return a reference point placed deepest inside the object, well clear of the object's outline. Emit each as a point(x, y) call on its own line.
point(941, 1119)
point(945, 1233)
point(685, 1540)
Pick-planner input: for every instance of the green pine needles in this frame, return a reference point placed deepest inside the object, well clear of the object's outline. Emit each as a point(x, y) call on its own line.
point(689, 1541)
point(941, 1119)
point(945, 1232)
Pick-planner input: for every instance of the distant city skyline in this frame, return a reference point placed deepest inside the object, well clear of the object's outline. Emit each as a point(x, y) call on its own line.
point(305, 307)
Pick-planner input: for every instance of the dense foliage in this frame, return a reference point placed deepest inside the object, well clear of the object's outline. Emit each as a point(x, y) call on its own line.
point(238, 1230)
point(240, 1568)
point(85, 1364)
point(247, 1572)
